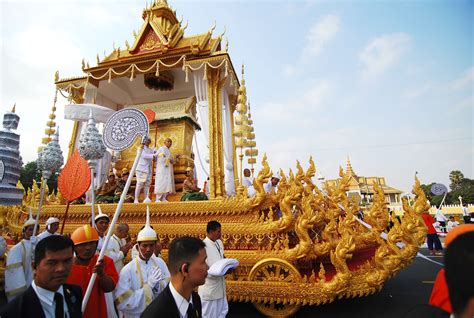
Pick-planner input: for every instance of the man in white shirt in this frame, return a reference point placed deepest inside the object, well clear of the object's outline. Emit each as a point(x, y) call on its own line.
point(441, 218)
point(48, 292)
point(247, 182)
point(187, 263)
point(466, 214)
point(52, 226)
point(451, 223)
point(118, 247)
point(144, 172)
point(144, 278)
point(18, 271)
point(272, 184)
point(213, 292)
point(102, 221)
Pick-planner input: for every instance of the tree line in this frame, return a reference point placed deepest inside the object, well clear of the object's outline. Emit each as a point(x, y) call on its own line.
point(459, 186)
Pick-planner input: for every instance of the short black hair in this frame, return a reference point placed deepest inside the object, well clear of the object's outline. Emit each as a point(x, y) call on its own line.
point(459, 261)
point(212, 226)
point(183, 250)
point(53, 243)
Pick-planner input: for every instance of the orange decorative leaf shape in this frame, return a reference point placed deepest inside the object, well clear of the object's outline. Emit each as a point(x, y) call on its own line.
point(75, 178)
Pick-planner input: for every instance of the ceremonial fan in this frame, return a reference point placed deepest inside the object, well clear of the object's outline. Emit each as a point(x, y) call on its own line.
point(120, 132)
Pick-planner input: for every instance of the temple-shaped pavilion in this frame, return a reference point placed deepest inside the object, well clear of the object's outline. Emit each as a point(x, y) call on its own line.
point(187, 83)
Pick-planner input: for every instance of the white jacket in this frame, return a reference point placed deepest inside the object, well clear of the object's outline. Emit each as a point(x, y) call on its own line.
point(214, 288)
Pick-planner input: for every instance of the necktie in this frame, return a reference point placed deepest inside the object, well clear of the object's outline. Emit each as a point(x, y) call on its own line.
point(191, 313)
point(59, 311)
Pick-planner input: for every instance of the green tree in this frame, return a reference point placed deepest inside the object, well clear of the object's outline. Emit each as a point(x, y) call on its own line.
point(456, 178)
point(465, 190)
point(30, 172)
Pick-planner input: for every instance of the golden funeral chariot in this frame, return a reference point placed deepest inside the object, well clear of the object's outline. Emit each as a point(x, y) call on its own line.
point(301, 245)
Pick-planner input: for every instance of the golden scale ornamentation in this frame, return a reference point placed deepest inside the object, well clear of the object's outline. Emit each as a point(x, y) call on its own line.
point(299, 246)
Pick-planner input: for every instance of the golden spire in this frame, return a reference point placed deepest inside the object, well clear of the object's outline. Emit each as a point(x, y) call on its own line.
point(241, 127)
point(349, 169)
point(50, 125)
point(14, 107)
point(252, 151)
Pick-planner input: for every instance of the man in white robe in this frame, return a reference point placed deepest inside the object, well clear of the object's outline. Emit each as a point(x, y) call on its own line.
point(52, 226)
point(164, 178)
point(248, 183)
point(213, 292)
point(102, 221)
point(118, 247)
point(143, 278)
point(272, 185)
point(18, 270)
point(144, 172)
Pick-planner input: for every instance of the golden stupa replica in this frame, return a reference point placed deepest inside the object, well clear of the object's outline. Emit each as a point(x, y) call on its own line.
point(299, 246)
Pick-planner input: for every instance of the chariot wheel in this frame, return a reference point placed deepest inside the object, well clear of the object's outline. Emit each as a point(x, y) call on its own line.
point(275, 270)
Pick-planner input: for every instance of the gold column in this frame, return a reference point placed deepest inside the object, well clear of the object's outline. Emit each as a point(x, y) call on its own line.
point(216, 148)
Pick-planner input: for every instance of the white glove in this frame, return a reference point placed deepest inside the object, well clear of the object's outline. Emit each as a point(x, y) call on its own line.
point(155, 277)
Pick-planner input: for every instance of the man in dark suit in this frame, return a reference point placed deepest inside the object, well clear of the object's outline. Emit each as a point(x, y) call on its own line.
point(48, 295)
point(188, 268)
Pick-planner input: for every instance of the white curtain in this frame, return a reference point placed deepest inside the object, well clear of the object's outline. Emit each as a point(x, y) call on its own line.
point(228, 148)
point(201, 139)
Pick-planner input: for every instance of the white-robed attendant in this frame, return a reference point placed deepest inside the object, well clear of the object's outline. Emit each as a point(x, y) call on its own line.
point(118, 247)
point(247, 182)
point(52, 226)
point(102, 221)
point(164, 178)
point(272, 184)
point(143, 278)
point(144, 172)
point(18, 270)
point(213, 292)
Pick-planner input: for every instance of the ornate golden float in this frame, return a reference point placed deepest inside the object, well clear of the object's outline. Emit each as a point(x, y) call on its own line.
point(300, 246)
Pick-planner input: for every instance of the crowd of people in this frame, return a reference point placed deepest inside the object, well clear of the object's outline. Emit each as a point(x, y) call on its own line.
point(47, 275)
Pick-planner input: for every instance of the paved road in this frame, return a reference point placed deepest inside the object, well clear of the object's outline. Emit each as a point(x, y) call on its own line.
point(408, 288)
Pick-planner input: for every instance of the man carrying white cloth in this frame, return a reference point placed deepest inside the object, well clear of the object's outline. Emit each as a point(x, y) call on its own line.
point(213, 292)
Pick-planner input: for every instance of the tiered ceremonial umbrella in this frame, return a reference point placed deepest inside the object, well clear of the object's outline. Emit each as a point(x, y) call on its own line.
point(91, 149)
point(49, 161)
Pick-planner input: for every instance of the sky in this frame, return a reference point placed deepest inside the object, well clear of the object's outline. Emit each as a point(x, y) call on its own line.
point(389, 84)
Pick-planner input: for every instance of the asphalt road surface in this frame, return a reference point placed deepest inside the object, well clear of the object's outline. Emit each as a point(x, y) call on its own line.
point(411, 286)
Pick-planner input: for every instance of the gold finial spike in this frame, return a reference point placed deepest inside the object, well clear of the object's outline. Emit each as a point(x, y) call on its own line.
point(83, 64)
point(98, 59)
point(213, 27)
point(113, 46)
point(349, 169)
point(127, 45)
point(226, 44)
point(14, 107)
point(56, 76)
point(87, 64)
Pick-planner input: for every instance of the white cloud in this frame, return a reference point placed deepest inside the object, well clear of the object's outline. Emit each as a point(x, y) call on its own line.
point(466, 80)
point(415, 92)
point(382, 53)
point(318, 37)
point(44, 48)
point(321, 33)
